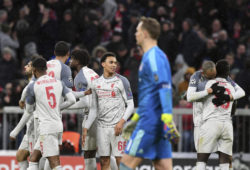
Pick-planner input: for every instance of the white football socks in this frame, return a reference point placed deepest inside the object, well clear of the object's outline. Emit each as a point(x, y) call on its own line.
point(113, 164)
point(224, 166)
point(23, 165)
point(200, 166)
point(46, 165)
point(33, 166)
point(90, 163)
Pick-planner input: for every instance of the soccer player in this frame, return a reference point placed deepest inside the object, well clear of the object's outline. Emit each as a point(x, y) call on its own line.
point(216, 133)
point(56, 67)
point(83, 81)
point(196, 93)
point(27, 144)
point(155, 103)
point(45, 94)
point(112, 104)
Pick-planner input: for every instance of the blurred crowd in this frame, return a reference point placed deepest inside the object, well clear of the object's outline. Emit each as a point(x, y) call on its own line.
point(192, 31)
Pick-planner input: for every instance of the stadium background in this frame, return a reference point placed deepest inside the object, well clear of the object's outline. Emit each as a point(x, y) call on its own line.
point(192, 31)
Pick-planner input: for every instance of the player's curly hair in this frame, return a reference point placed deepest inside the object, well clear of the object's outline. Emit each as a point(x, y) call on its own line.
point(40, 64)
point(82, 56)
point(152, 26)
point(222, 68)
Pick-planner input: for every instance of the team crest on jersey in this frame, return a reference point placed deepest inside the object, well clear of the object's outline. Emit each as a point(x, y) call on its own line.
point(98, 87)
point(112, 85)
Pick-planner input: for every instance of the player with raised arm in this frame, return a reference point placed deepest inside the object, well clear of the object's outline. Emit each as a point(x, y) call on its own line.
point(27, 144)
point(148, 140)
point(112, 104)
point(216, 132)
point(45, 94)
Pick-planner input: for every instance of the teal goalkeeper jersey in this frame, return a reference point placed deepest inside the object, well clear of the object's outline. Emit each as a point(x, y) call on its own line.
point(154, 88)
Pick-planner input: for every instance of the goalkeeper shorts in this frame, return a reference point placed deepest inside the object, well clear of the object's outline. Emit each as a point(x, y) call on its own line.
point(148, 146)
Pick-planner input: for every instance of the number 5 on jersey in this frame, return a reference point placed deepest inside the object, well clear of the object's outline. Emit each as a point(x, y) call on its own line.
point(50, 94)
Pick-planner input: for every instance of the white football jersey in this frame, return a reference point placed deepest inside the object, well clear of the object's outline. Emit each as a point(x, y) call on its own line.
point(60, 71)
point(47, 93)
point(111, 97)
point(211, 111)
point(83, 81)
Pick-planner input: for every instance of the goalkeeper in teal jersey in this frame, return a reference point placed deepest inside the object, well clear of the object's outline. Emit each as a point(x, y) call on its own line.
point(150, 140)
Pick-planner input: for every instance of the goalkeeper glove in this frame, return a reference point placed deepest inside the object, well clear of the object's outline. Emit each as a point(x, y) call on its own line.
point(171, 133)
point(130, 126)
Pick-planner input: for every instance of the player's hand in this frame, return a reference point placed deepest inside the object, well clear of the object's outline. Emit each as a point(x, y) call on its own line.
point(118, 127)
point(12, 136)
point(21, 104)
point(128, 129)
point(217, 89)
point(84, 135)
point(171, 133)
point(88, 92)
point(221, 99)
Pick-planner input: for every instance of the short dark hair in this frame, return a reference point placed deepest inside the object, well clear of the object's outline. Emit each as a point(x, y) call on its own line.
point(222, 68)
point(82, 56)
point(152, 26)
point(40, 64)
point(107, 54)
point(61, 48)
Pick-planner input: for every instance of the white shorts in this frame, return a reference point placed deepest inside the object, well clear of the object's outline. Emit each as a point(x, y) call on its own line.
point(108, 144)
point(27, 143)
point(49, 144)
point(90, 141)
point(216, 136)
point(196, 136)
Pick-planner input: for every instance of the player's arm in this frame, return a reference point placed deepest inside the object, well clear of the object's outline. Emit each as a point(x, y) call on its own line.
point(70, 98)
point(239, 92)
point(91, 117)
point(128, 99)
point(23, 96)
point(66, 76)
point(30, 105)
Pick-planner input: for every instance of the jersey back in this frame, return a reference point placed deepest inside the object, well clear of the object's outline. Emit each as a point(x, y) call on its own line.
point(211, 111)
point(47, 93)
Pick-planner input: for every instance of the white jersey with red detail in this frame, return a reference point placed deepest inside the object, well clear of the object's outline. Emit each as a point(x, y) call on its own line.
point(60, 71)
point(83, 81)
point(211, 111)
point(47, 93)
point(111, 97)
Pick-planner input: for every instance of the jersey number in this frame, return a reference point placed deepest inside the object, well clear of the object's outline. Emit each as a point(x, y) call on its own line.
point(51, 95)
point(51, 74)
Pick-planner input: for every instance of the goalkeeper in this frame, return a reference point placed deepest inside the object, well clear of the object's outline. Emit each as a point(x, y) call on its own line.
point(155, 104)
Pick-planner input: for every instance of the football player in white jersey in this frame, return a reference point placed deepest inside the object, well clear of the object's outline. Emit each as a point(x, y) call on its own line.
point(196, 92)
point(82, 81)
point(216, 132)
point(57, 67)
point(112, 104)
point(45, 94)
point(27, 144)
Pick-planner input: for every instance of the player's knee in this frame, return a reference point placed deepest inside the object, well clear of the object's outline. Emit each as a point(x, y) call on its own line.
point(35, 156)
point(224, 158)
point(22, 155)
point(54, 161)
point(89, 154)
point(105, 160)
point(203, 157)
